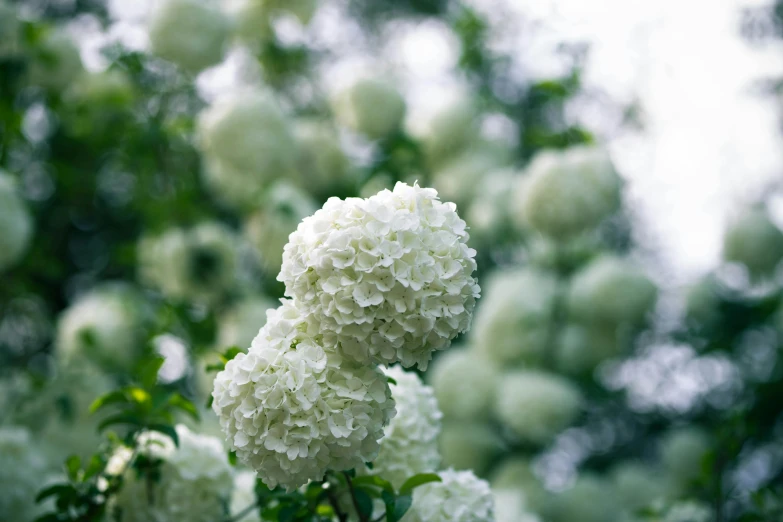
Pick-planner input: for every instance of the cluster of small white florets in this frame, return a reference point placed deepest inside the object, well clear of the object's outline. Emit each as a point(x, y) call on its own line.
point(388, 278)
point(410, 442)
point(459, 497)
point(195, 479)
point(292, 409)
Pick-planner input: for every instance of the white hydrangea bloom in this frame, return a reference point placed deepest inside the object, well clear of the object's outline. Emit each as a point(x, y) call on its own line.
point(56, 63)
point(535, 405)
point(253, 18)
point(239, 325)
point(580, 348)
point(190, 33)
point(638, 485)
point(512, 322)
point(516, 474)
point(244, 495)
point(460, 497)
point(489, 213)
point(458, 179)
point(410, 442)
point(10, 31)
point(15, 222)
point(247, 143)
point(291, 409)
point(388, 278)
point(102, 326)
point(611, 290)
point(323, 166)
point(510, 507)
point(195, 479)
point(22, 473)
point(755, 242)
point(689, 511)
point(199, 263)
point(283, 208)
point(682, 452)
point(370, 107)
point(568, 192)
point(469, 445)
point(464, 383)
point(451, 130)
point(590, 499)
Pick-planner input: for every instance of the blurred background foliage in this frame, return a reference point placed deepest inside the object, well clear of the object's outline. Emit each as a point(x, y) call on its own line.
point(148, 195)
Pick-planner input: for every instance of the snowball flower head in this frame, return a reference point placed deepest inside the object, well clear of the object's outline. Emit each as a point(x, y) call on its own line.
point(450, 130)
point(244, 495)
point(22, 473)
point(755, 242)
point(102, 326)
point(15, 222)
point(535, 405)
point(253, 18)
point(283, 207)
point(464, 383)
point(247, 143)
point(611, 290)
point(512, 322)
point(580, 348)
point(469, 445)
point(195, 479)
point(410, 444)
point(370, 107)
point(568, 192)
point(189, 33)
point(457, 179)
point(323, 166)
point(489, 214)
point(590, 499)
point(516, 473)
point(388, 278)
point(239, 325)
point(460, 497)
point(199, 263)
point(291, 409)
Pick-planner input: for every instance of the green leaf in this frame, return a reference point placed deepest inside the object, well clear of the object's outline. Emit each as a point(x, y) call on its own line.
point(49, 517)
point(94, 466)
point(54, 490)
point(230, 353)
point(138, 395)
point(166, 429)
point(181, 403)
point(114, 397)
point(364, 502)
point(215, 367)
point(148, 372)
point(120, 418)
point(391, 380)
point(374, 481)
point(418, 480)
point(232, 458)
point(72, 466)
point(401, 506)
point(288, 513)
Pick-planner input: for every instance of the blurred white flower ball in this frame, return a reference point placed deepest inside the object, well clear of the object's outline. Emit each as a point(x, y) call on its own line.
point(190, 33)
point(451, 130)
point(199, 263)
point(469, 445)
point(516, 473)
point(388, 278)
point(489, 213)
point(464, 383)
point(110, 87)
point(535, 405)
point(10, 31)
point(458, 179)
point(689, 511)
point(510, 507)
point(460, 497)
point(611, 290)
point(247, 144)
point(512, 322)
point(682, 453)
point(15, 222)
point(410, 442)
point(22, 473)
point(282, 209)
point(755, 242)
point(103, 326)
point(292, 410)
point(590, 499)
point(323, 166)
point(244, 495)
point(195, 479)
point(568, 192)
point(239, 325)
point(56, 62)
point(370, 107)
point(580, 348)
point(253, 18)
point(638, 485)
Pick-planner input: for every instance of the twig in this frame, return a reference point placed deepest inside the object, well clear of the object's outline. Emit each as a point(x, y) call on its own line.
point(241, 514)
point(359, 513)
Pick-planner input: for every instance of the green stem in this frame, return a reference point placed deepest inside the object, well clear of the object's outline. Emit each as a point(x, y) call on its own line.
point(362, 517)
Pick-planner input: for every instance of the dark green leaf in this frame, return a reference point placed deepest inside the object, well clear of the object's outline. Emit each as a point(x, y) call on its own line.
point(401, 506)
point(364, 502)
point(418, 480)
point(232, 458)
point(166, 429)
point(94, 466)
point(55, 490)
point(120, 418)
point(72, 466)
point(114, 397)
point(391, 380)
point(181, 403)
point(374, 481)
point(148, 372)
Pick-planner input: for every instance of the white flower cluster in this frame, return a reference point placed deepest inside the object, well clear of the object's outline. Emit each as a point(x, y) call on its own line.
point(199, 263)
point(512, 321)
point(469, 445)
point(755, 242)
point(291, 409)
point(459, 497)
point(22, 474)
point(15, 222)
point(568, 192)
point(323, 166)
point(284, 206)
point(388, 279)
point(253, 18)
point(195, 479)
point(190, 33)
point(102, 326)
point(516, 473)
point(410, 442)
point(580, 348)
point(371, 107)
point(241, 323)
point(246, 144)
point(451, 130)
point(464, 384)
point(536, 405)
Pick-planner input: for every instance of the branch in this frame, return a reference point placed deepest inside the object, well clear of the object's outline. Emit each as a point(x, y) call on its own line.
point(359, 513)
point(241, 514)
